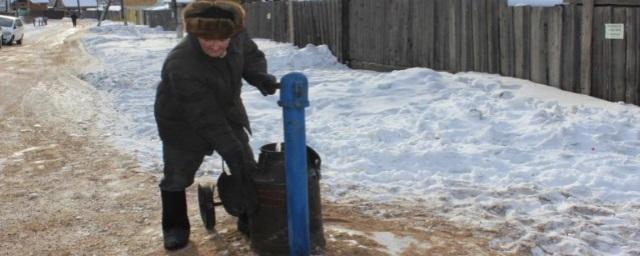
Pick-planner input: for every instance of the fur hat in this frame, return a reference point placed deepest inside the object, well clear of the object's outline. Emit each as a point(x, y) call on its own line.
point(213, 19)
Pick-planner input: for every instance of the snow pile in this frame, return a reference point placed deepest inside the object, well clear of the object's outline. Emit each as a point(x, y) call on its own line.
point(132, 57)
point(550, 171)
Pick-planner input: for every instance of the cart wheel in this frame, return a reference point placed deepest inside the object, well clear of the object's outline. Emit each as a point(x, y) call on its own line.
point(205, 200)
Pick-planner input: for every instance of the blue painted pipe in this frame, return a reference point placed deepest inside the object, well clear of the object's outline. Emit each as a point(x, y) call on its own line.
point(293, 99)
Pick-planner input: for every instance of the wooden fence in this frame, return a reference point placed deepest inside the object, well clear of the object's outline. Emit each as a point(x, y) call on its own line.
point(541, 44)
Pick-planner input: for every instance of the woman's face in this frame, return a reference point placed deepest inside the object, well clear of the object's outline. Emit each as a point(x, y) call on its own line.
point(215, 48)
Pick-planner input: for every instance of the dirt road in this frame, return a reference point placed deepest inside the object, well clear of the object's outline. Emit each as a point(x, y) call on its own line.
point(65, 191)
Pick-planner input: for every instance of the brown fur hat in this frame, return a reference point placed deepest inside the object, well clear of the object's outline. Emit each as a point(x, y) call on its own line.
point(213, 19)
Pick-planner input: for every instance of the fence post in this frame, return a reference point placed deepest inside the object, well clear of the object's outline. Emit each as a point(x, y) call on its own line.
point(345, 20)
point(293, 100)
point(290, 21)
point(585, 56)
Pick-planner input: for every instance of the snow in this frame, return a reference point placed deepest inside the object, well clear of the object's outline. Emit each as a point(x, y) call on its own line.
point(535, 2)
point(548, 170)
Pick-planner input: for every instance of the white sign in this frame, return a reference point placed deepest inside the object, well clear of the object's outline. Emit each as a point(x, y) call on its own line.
point(614, 31)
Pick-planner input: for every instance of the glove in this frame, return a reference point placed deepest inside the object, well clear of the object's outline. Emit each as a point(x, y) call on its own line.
point(269, 87)
point(237, 191)
point(235, 161)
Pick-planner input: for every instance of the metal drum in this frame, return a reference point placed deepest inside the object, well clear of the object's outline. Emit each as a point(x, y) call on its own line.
point(268, 226)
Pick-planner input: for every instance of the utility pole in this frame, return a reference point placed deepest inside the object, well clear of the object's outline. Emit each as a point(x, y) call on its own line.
point(122, 12)
point(104, 13)
point(174, 7)
point(78, 2)
point(98, 12)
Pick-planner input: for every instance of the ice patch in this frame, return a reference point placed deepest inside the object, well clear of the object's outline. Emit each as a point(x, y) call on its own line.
point(396, 245)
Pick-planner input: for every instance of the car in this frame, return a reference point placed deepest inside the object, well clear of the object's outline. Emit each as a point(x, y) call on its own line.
point(12, 29)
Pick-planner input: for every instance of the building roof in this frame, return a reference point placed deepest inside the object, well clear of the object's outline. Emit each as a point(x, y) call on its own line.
point(115, 8)
point(179, 1)
point(159, 8)
point(83, 3)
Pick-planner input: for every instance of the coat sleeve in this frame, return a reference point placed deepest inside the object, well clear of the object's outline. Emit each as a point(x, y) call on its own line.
point(255, 64)
point(203, 112)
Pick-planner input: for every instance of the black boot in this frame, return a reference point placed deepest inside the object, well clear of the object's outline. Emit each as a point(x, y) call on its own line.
point(175, 222)
point(243, 224)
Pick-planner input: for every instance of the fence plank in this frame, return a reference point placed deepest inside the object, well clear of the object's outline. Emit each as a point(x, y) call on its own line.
point(407, 44)
point(601, 54)
point(439, 40)
point(284, 22)
point(618, 58)
point(423, 32)
point(318, 21)
point(356, 26)
point(372, 41)
point(484, 36)
point(597, 58)
point(416, 33)
point(554, 25)
point(538, 46)
point(586, 68)
point(430, 28)
point(297, 24)
point(467, 57)
point(454, 13)
point(364, 33)
point(394, 41)
point(506, 39)
point(378, 12)
point(493, 23)
point(478, 50)
point(570, 44)
point(522, 45)
point(336, 13)
point(637, 47)
point(606, 88)
point(632, 37)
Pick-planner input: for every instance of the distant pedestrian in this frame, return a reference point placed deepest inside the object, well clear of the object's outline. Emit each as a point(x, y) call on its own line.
point(45, 18)
point(74, 18)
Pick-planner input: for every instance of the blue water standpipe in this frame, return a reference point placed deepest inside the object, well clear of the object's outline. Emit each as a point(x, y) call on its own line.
point(293, 100)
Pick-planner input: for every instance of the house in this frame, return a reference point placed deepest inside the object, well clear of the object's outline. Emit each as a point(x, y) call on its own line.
point(74, 5)
point(153, 12)
point(26, 8)
point(112, 14)
point(39, 5)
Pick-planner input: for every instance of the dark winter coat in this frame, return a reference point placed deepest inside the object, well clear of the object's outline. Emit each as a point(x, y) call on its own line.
point(198, 102)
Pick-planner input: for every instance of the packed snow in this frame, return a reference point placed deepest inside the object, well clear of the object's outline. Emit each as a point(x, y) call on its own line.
point(551, 171)
point(534, 2)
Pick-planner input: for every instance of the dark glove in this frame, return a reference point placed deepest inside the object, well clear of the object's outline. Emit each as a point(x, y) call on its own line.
point(237, 191)
point(269, 87)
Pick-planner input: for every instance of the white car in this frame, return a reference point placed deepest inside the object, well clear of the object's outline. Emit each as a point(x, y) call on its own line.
point(12, 29)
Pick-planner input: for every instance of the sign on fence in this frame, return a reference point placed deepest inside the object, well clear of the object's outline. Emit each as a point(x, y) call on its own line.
point(614, 31)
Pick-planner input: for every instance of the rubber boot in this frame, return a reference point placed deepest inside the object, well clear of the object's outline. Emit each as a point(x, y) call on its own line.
point(243, 224)
point(175, 222)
